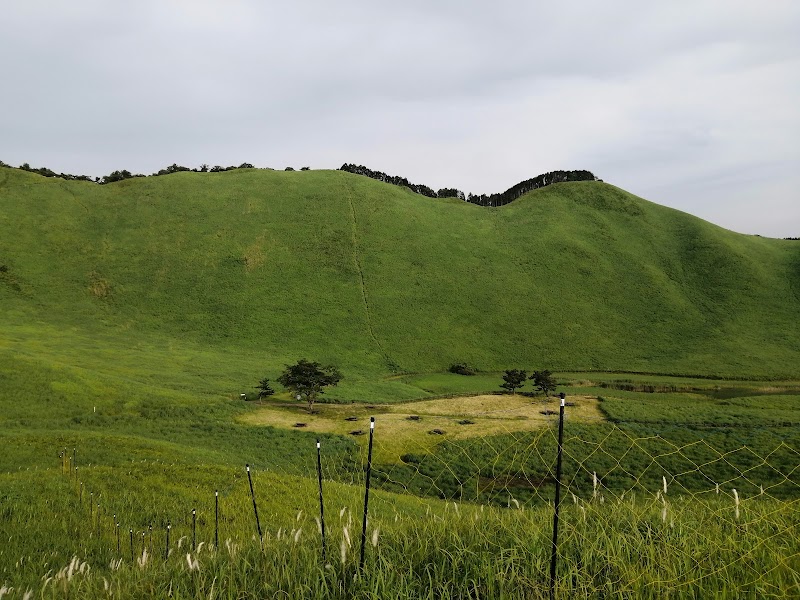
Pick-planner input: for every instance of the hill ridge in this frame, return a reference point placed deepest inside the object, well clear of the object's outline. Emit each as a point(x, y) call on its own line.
point(573, 276)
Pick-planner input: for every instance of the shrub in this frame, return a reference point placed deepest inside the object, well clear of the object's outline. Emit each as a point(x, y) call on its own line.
point(462, 369)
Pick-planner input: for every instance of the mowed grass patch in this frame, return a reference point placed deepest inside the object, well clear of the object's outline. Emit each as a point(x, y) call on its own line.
point(420, 426)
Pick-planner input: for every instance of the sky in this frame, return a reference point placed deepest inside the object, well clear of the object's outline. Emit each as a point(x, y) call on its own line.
point(690, 104)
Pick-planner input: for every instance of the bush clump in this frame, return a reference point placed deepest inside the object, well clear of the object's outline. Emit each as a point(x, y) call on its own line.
point(462, 369)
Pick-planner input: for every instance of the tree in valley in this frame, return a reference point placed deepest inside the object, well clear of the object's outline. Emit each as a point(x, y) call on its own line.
point(544, 381)
point(264, 389)
point(513, 379)
point(308, 380)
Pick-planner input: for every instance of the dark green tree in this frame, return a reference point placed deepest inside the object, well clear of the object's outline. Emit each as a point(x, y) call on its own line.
point(544, 382)
point(264, 389)
point(308, 380)
point(513, 379)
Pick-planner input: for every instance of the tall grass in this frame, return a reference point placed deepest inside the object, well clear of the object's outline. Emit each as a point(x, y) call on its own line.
point(651, 546)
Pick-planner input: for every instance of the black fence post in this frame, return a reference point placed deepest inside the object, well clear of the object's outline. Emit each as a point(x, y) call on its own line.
point(216, 518)
point(131, 531)
point(255, 508)
point(194, 529)
point(554, 555)
point(366, 494)
point(166, 548)
point(321, 504)
point(116, 527)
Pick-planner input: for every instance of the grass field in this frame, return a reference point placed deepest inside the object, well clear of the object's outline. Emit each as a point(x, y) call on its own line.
point(627, 539)
point(135, 314)
point(415, 549)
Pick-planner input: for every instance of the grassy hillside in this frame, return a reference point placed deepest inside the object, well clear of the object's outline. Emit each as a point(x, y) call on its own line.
point(133, 314)
point(189, 270)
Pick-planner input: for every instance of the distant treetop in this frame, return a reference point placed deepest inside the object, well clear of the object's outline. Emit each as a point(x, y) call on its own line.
point(122, 174)
point(500, 199)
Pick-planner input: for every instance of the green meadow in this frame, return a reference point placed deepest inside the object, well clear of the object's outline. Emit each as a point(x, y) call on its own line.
point(133, 316)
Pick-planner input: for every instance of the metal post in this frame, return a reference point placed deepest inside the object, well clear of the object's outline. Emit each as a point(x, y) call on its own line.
point(194, 529)
point(116, 527)
point(366, 493)
point(131, 530)
point(216, 519)
point(321, 504)
point(255, 508)
point(554, 555)
point(166, 549)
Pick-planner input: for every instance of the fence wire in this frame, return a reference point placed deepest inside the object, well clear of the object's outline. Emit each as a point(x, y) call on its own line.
point(642, 514)
point(461, 507)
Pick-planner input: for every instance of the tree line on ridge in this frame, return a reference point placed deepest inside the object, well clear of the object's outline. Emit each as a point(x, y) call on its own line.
point(499, 199)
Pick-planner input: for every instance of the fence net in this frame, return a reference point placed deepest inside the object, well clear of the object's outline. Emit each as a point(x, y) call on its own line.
point(461, 505)
point(684, 511)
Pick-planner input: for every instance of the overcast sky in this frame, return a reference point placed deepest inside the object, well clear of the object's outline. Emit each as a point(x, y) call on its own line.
point(691, 104)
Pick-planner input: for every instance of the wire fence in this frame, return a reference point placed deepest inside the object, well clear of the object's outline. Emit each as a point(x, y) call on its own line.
point(640, 515)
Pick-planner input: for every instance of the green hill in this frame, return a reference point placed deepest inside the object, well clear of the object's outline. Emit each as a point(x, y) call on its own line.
point(575, 276)
point(134, 313)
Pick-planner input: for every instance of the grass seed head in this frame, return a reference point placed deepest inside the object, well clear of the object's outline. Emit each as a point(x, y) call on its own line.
point(375, 534)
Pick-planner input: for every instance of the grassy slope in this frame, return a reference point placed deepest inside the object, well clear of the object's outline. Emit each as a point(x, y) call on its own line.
point(133, 314)
point(266, 264)
point(581, 276)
